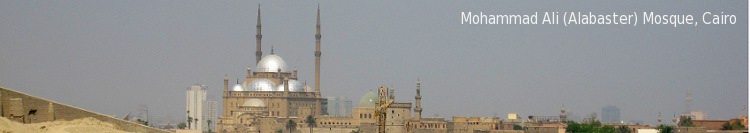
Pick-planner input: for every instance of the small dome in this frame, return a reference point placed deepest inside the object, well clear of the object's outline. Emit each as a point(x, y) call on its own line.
point(237, 87)
point(294, 86)
point(271, 63)
point(254, 103)
point(370, 99)
point(261, 85)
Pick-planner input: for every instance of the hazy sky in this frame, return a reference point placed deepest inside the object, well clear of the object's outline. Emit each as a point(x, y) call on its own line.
point(110, 56)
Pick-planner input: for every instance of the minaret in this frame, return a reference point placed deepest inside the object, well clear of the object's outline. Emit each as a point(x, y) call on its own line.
point(226, 84)
point(418, 99)
point(659, 120)
point(563, 114)
point(258, 37)
point(317, 53)
point(391, 93)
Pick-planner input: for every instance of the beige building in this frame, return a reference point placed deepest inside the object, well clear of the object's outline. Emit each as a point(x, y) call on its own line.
point(271, 94)
point(195, 106)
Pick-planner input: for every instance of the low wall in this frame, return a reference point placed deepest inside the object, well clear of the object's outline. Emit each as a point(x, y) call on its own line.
point(34, 110)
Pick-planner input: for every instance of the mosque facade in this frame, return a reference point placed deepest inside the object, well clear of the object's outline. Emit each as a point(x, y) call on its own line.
point(271, 96)
point(270, 93)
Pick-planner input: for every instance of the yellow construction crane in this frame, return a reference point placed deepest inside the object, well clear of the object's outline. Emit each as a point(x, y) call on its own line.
point(381, 110)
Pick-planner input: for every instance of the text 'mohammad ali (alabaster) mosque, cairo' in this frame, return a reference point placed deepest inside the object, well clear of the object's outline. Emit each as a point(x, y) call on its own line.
point(271, 95)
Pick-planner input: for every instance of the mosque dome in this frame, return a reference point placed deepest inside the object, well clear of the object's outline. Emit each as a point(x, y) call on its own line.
point(254, 103)
point(237, 87)
point(261, 85)
point(370, 99)
point(271, 63)
point(294, 86)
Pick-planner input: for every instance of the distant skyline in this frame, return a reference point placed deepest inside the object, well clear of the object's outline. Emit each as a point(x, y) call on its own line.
point(111, 56)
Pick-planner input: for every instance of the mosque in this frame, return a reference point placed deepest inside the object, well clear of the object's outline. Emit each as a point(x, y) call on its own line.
point(271, 96)
point(270, 92)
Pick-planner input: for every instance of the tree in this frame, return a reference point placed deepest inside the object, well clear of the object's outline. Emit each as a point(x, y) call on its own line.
point(181, 125)
point(189, 120)
point(279, 131)
point(733, 125)
point(291, 125)
point(517, 127)
point(623, 129)
point(590, 127)
point(665, 129)
point(685, 121)
point(310, 120)
point(606, 129)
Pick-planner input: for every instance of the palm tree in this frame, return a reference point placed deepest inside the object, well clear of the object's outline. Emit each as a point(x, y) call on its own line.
point(189, 119)
point(291, 125)
point(665, 129)
point(310, 120)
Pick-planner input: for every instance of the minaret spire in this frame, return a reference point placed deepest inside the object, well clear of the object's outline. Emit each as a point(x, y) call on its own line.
point(418, 99)
point(258, 37)
point(317, 52)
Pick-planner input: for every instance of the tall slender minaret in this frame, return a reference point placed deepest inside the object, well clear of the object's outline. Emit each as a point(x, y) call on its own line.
point(418, 99)
point(226, 84)
point(258, 37)
point(317, 53)
point(659, 120)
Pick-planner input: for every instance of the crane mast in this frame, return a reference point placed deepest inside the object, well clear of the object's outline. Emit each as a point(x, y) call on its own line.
point(381, 110)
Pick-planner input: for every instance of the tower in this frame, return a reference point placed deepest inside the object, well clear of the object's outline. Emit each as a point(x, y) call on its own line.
point(688, 102)
point(391, 93)
point(258, 37)
point(418, 99)
point(317, 53)
point(659, 119)
point(563, 114)
point(226, 84)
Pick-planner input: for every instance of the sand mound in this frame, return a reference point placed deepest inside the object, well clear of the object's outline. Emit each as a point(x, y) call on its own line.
point(84, 125)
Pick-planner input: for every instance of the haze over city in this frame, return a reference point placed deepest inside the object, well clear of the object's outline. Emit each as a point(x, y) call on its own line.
point(111, 56)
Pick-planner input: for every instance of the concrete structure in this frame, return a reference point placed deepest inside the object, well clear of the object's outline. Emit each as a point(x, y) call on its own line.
point(543, 129)
point(646, 131)
point(710, 124)
point(471, 124)
point(512, 116)
point(698, 115)
point(30, 109)
point(339, 106)
point(210, 115)
point(610, 114)
point(196, 99)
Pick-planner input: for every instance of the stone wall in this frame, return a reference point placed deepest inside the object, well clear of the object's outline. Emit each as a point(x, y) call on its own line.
point(34, 110)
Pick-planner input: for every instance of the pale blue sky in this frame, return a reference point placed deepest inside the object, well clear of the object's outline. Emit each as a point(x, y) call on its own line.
point(110, 56)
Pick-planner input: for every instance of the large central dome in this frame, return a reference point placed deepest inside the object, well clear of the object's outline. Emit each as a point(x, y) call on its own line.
point(271, 63)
